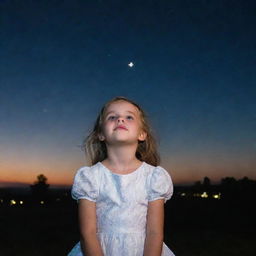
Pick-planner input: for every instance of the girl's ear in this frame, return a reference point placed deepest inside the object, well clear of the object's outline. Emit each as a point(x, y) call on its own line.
point(142, 136)
point(101, 137)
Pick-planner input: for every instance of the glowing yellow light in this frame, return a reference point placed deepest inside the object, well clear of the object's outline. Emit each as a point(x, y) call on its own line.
point(41, 202)
point(183, 194)
point(21, 202)
point(12, 202)
point(1, 200)
point(204, 195)
point(217, 196)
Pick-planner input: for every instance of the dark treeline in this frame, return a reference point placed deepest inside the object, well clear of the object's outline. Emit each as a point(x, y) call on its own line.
point(228, 189)
point(41, 193)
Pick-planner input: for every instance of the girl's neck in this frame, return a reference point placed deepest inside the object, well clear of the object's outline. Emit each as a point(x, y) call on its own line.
point(121, 159)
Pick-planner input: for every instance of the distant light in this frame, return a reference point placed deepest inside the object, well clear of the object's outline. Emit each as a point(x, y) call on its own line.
point(41, 202)
point(131, 64)
point(183, 194)
point(1, 200)
point(12, 202)
point(21, 202)
point(204, 195)
point(216, 196)
point(57, 199)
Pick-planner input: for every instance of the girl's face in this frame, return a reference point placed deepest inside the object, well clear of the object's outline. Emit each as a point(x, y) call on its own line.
point(122, 124)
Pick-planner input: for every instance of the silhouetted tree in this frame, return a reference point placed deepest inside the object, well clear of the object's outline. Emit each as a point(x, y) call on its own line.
point(197, 187)
point(229, 189)
point(40, 187)
point(206, 182)
point(228, 182)
point(247, 188)
point(207, 185)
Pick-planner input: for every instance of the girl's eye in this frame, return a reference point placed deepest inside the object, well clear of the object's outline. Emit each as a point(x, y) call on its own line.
point(111, 117)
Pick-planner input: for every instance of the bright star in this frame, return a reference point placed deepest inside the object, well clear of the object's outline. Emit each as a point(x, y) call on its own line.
point(131, 64)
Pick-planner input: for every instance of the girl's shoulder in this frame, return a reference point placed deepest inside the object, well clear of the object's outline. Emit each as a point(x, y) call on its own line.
point(87, 173)
point(86, 183)
point(155, 170)
point(91, 169)
point(158, 174)
point(159, 183)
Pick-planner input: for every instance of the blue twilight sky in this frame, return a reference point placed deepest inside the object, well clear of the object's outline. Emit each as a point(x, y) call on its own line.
point(194, 74)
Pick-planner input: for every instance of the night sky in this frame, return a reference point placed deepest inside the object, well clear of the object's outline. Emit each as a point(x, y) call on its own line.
point(194, 74)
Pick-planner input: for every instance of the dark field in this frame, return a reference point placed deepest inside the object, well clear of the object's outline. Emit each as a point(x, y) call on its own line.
point(193, 227)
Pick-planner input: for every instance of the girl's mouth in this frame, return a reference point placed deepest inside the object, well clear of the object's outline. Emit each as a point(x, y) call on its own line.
point(121, 127)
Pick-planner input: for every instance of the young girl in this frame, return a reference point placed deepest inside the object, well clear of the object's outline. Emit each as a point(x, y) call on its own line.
point(121, 195)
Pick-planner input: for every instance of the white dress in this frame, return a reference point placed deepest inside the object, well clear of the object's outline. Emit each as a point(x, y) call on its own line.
point(121, 205)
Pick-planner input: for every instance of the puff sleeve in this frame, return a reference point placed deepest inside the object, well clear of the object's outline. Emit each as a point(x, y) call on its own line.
point(160, 185)
point(85, 184)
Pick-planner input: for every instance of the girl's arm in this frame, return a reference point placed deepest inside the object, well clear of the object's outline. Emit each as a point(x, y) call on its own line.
point(155, 228)
point(88, 226)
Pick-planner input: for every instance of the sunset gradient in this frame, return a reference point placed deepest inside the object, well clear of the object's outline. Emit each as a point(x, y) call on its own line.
point(193, 73)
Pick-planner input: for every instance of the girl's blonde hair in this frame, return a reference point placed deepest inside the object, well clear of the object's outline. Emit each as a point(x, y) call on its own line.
point(96, 150)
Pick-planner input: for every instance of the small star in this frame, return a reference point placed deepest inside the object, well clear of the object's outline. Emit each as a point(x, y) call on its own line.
point(131, 64)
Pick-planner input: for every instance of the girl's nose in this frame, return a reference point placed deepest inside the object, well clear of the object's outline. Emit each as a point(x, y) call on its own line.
point(120, 119)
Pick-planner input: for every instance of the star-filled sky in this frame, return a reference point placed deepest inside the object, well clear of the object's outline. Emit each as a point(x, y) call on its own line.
point(193, 73)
